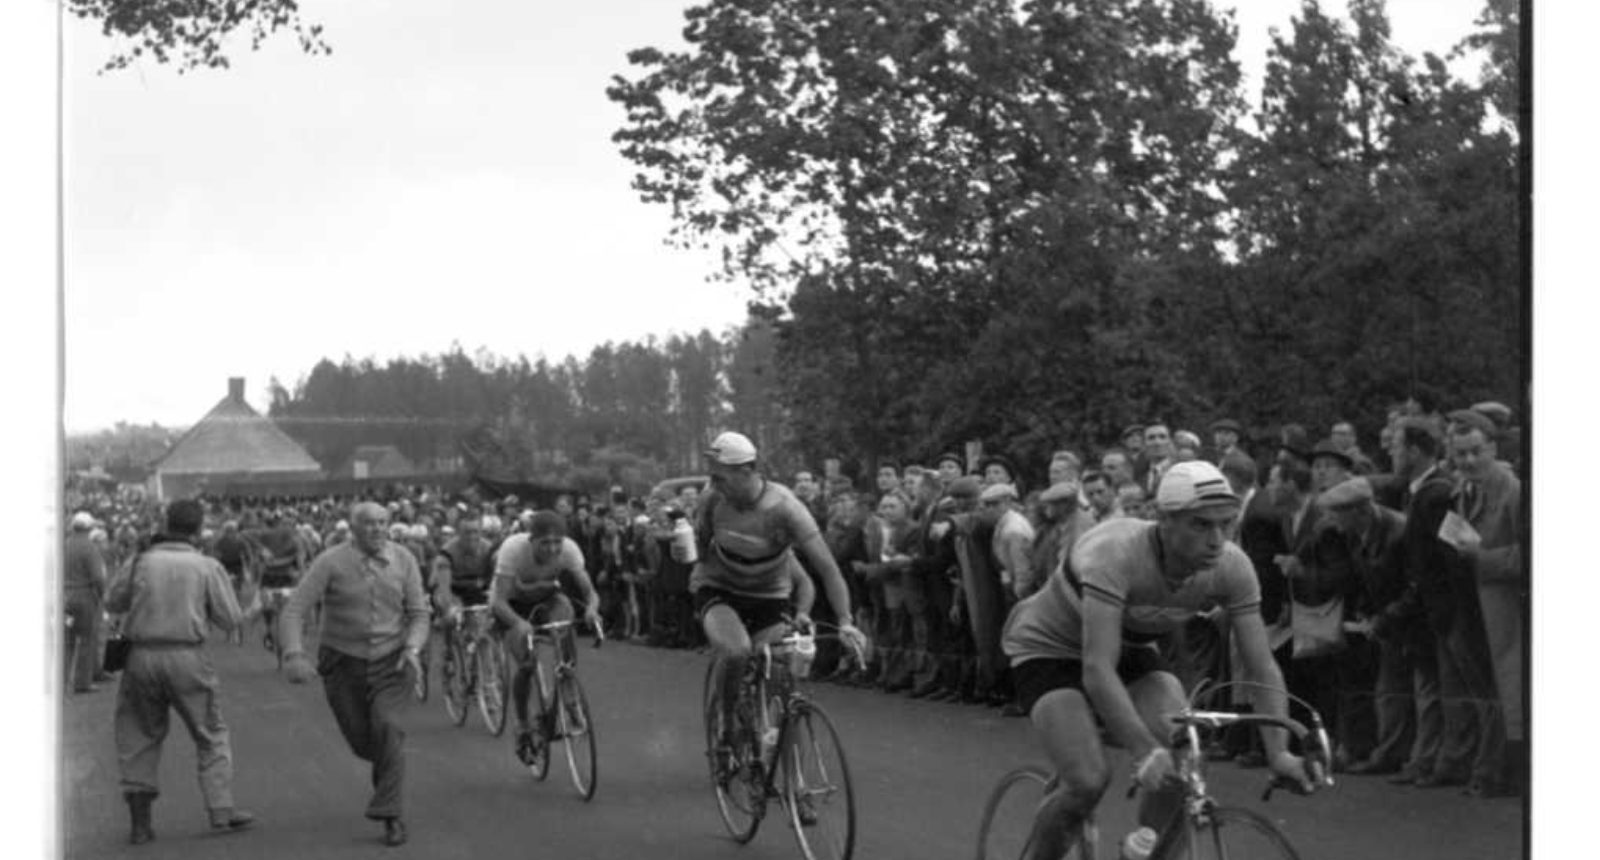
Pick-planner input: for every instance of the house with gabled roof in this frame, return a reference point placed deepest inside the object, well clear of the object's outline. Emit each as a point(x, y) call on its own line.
point(376, 461)
point(232, 446)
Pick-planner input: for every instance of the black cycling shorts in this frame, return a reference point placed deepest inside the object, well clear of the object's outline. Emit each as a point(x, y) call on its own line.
point(757, 613)
point(1040, 675)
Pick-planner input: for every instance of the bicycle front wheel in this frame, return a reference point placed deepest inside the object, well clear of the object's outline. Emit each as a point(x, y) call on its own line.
point(816, 785)
point(1227, 833)
point(577, 729)
point(457, 684)
point(494, 686)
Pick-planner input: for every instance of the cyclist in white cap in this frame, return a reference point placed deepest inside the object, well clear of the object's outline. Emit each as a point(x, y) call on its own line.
point(1085, 645)
point(747, 530)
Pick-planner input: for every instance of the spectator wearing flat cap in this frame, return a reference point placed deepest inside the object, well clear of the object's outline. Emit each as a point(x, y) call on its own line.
point(1488, 497)
point(1225, 434)
point(1374, 534)
point(84, 578)
point(1063, 519)
point(1012, 545)
point(950, 467)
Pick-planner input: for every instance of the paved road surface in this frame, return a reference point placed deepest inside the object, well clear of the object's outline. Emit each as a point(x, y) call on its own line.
point(921, 773)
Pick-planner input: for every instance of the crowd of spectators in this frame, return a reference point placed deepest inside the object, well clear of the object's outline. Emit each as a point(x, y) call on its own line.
point(1393, 582)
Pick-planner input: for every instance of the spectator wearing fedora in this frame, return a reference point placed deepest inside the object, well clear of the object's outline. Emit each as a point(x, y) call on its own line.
point(1343, 436)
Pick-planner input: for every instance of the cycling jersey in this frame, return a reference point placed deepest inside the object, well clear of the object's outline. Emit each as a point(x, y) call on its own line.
point(1119, 561)
point(750, 551)
point(471, 569)
point(532, 582)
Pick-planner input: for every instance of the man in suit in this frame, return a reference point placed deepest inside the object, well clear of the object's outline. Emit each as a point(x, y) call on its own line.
point(1489, 498)
point(1453, 686)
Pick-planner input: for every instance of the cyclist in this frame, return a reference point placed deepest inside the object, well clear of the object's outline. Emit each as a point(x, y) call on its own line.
point(462, 573)
point(747, 531)
point(527, 590)
point(283, 559)
point(1084, 647)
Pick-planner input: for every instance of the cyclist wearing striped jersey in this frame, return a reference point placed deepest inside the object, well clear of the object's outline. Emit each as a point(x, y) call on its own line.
point(748, 529)
point(1085, 646)
point(526, 590)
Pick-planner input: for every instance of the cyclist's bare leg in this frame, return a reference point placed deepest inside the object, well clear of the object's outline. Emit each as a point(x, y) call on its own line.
point(1156, 696)
point(1065, 722)
point(730, 641)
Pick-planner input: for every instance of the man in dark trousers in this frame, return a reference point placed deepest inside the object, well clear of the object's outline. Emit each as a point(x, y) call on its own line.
point(171, 593)
point(374, 624)
point(83, 577)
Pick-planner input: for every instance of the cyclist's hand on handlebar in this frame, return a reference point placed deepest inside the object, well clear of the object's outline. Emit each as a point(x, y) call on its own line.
point(523, 629)
point(1155, 770)
point(853, 636)
point(803, 623)
point(1299, 775)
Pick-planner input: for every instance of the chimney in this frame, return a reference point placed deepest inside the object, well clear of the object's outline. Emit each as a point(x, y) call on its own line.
point(236, 389)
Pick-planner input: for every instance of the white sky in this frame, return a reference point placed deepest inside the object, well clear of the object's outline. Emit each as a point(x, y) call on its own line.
point(446, 175)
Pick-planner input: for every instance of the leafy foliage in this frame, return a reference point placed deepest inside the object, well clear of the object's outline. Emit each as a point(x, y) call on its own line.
point(194, 33)
point(1032, 223)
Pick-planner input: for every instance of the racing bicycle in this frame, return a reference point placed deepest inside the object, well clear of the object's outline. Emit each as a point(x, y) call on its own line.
point(782, 747)
point(1202, 829)
point(563, 709)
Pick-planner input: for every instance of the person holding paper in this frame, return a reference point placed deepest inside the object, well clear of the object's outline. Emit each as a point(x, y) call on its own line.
point(1488, 501)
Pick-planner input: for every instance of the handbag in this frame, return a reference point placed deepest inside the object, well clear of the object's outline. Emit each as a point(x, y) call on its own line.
point(119, 645)
point(1318, 629)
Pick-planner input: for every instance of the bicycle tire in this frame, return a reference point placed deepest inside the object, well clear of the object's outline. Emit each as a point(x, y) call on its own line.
point(494, 688)
point(742, 792)
point(577, 732)
point(537, 720)
point(1225, 833)
point(816, 784)
point(1005, 832)
point(457, 683)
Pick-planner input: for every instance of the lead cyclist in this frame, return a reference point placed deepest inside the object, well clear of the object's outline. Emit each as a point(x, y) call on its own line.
point(1084, 646)
point(747, 531)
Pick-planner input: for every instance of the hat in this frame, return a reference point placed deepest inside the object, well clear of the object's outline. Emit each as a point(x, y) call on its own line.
point(1002, 460)
point(1475, 420)
point(1130, 429)
point(1061, 491)
point(82, 521)
point(1226, 424)
point(1193, 484)
point(997, 492)
point(1344, 494)
point(732, 449)
point(966, 487)
point(1326, 448)
point(952, 457)
point(1498, 412)
point(1185, 439)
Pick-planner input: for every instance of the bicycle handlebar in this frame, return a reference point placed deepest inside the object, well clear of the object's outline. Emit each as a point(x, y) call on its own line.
point(554, 626)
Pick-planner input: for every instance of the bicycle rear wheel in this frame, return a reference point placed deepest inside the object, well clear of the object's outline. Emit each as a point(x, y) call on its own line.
point(737, 776)
point(816, 785)
point(1006, 830)
point(494, 686)
point(1228, 833)
point(577, 729)
point(457, 683)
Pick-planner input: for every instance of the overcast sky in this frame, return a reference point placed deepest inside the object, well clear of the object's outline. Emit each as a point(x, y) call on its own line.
point(446, 175)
